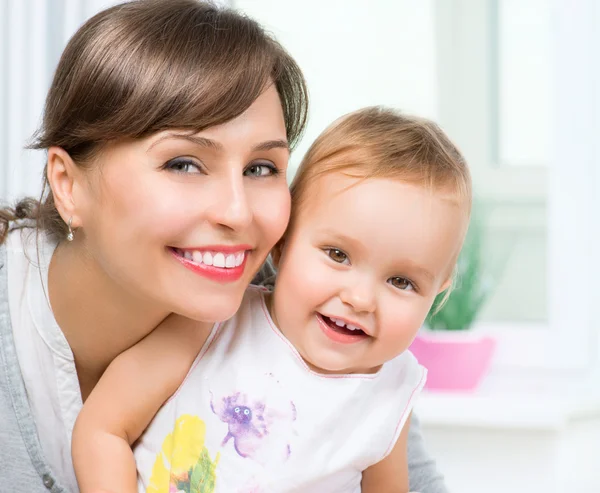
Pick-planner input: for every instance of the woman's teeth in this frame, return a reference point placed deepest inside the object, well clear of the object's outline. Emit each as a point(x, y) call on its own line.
point(215, 259)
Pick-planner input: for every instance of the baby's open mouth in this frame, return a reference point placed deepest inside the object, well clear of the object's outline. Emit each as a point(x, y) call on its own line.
point(342, 327)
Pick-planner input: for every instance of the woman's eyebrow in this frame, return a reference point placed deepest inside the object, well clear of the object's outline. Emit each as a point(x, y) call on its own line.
point(194, 139)
point(213, 144)
point(272, 144)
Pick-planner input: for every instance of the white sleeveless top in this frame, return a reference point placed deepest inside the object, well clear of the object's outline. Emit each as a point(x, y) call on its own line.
point(46, 362)
point(252, 417)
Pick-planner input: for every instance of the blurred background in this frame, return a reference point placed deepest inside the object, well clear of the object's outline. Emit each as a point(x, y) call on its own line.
point(513, 403)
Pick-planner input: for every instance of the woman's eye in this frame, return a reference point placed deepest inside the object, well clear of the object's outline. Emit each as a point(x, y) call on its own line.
point(337, 256)
point(183, 166)
point(261, 169)
point(402, 283)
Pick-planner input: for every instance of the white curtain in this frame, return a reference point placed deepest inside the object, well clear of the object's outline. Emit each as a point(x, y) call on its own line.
point(33, 34)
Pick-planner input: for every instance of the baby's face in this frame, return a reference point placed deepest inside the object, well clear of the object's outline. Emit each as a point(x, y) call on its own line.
point(360, 268)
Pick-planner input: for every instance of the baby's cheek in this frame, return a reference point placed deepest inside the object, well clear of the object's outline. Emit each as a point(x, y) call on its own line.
point(403, 326)
point(300, 281)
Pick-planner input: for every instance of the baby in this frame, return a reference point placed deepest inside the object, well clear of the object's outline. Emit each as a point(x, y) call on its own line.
point(310, 386)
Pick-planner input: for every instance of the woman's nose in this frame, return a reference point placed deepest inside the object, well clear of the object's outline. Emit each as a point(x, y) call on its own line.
point(230, 207)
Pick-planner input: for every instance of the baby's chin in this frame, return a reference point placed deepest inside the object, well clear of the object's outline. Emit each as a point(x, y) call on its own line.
point(329, 366)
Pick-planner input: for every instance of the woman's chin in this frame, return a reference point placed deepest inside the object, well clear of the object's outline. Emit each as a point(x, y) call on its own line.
point(211, 310)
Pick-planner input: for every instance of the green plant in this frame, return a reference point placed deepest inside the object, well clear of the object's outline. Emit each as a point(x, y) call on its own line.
point(470, 291)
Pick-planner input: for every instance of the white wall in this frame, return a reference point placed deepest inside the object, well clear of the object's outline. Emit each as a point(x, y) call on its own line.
point(352, 55)
point(356, 53)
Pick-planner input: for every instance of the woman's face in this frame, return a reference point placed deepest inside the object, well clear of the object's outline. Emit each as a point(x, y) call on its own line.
point(185, 221)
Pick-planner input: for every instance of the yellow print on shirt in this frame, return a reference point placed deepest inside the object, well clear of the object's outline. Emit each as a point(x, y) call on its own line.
point(184, 465)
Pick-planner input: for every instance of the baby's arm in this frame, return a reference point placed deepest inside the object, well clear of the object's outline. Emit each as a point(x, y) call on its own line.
point(133, 388)
point(391, 474)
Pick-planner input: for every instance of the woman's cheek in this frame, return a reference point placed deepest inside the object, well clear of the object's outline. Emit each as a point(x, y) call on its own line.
point(273, 215)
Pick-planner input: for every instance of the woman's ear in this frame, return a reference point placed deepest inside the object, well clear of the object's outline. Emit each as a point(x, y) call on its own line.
point(61, 173)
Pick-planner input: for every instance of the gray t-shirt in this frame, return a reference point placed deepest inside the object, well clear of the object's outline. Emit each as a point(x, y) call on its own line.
point(23, 466)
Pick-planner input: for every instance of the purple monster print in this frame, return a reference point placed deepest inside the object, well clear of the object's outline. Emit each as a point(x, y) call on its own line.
point(246, 423)
point(250, 423)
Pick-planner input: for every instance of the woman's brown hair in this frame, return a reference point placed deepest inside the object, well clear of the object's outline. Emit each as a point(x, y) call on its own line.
point(149, 65)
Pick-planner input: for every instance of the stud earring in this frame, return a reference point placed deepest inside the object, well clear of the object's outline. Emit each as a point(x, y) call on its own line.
point(70, 233)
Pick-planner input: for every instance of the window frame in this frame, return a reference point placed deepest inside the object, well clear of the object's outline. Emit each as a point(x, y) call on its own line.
point(569, 188)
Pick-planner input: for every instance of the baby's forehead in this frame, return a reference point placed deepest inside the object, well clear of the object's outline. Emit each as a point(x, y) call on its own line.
point(354, 184)
point(370, 204)
point(387, 223)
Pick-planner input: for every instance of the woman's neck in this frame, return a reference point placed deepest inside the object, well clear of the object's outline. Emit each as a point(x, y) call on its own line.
point(98, 318)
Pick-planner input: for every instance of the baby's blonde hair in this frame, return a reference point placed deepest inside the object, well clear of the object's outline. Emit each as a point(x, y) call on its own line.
point(378, 142)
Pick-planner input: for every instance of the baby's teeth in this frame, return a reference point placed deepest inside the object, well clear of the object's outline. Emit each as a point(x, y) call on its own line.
point(337, 322)
point(230, 261)
point(239, 258)
point(187, 254)
point(207, 258)
point(197, 257)
point(219, 260)
point(352, 327)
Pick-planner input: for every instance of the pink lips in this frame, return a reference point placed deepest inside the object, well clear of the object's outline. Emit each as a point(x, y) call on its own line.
point(339, 336)
point(218, 274)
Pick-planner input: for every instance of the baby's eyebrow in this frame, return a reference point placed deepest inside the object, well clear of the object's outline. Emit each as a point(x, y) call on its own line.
point(342, 238)
point(422, 271)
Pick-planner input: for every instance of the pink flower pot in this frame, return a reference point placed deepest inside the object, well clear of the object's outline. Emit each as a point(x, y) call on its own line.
point(455, 362)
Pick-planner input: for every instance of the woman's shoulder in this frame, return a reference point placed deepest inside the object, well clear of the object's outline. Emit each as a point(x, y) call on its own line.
point(24, 260)
point(20, 240)
point(18, 431)
point(26, 245)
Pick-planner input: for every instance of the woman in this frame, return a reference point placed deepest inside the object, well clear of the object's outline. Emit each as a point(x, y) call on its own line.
point(167, 127)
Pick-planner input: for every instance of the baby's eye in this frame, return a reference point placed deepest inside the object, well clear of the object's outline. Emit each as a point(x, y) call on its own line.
point(246, 412)
point(337, 255)
point(183, 165)
point(401, 283)
point(237, 409)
